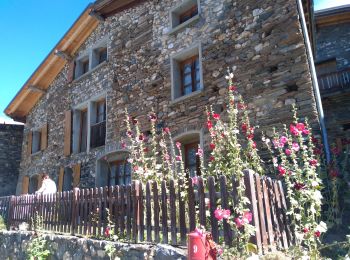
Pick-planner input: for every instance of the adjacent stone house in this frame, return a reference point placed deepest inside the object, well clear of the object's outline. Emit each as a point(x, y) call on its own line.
point(11, 137)
point(332, 36)
point(169, 55)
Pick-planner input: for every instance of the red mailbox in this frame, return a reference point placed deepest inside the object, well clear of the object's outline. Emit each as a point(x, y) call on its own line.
point(199, 247)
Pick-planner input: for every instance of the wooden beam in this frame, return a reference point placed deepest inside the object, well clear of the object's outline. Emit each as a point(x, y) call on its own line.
point(63, 55)
point(36, 89)
point(97, 15)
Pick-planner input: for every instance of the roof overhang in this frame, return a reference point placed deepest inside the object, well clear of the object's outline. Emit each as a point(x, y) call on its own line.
point(107, 8)
point(43, 76)
point(332, 16)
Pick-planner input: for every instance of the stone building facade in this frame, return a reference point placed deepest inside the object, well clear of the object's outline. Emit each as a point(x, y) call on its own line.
point(146, 45)
point(11, 137)
point(333, 68)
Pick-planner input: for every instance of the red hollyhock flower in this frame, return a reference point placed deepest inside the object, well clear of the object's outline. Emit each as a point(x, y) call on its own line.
point(313, 162)
point(216, 116)
point(294, 130)
point(129, 133)
point(317, 151)
point(232, 88)
point(211, 158)
point(250, 136)
point(300, 126)
point(141, 137)
point(241, 106)
point(335, 151)
point(107, 231)
point(166, 130)
point(305, 230)
point(299, 186)
point(212, 146)
point(134, 120)
point(281, 170)
point(317, 233)
point(306, 131)
point(334, 174)
point(146, 150)
point(254, 145)
point(209, 124)
point(244, 127)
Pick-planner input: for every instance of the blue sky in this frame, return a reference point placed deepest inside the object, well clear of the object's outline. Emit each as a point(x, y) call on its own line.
point(29, 29)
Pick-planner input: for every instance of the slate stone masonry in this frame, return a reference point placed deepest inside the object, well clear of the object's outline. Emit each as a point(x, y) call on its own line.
point(10, 156)
point(261, 41)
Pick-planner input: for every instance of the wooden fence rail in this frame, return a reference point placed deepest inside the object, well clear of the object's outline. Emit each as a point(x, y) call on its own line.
point(157, 213)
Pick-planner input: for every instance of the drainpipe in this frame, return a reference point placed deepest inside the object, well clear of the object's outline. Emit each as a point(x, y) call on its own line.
point(314, 81)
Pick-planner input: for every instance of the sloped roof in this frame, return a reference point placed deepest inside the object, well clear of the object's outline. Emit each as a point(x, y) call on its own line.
point(334, 15)
point(52, 65)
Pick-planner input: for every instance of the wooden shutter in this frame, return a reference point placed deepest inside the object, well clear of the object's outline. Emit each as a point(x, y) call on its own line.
point(40, 181)
point(60, 179)
point(25, 184)
point(43, 142)
point(76, 175)
point(71, 69)
point(29, 143)
point(67, 132)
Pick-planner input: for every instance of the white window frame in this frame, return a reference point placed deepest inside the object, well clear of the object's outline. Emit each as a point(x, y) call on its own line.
point(175, 60)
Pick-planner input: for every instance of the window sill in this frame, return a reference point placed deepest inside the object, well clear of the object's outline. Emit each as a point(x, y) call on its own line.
point(188, 96)
point(36, 153)
point(182, 26)
point(90, 71)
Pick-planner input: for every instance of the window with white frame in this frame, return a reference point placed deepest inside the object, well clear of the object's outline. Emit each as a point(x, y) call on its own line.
point(184, 14)
point(186, 72)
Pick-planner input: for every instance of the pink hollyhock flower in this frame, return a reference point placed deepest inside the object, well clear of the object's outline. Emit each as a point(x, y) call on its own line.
point(288, 152)
point(211, 158)
point(281, 170)
point(218, 214)
point(306, 131)
point(300, 127)
point(247, 217)
point(317, 233)
point(254, 145)
point(295, 147)
point(178, 158)
point(220, 251)
point(241, 106)
point(166, 130)
point(195, 180)
point(152, 117)
point(212, 146)
point(129, 133)
point(305, 230)
point(250, 136)
point(294, 131)
point(232, 88)
point(283, 140)
point(136, 168)
point(199, 152)
point(178, 145)
point(123, 145)
point(141, 137)
point(239, 222)
point(226, 213)
point(216, 116)
point(209, 124)
point(207, 202)
point(313, 162)
point(167, 157)
point(276, 143)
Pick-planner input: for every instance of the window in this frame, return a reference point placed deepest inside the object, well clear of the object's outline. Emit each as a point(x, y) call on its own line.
point(99, 55)
point(98, 128)
point(186, 73)
point(36, 141)
point(190, 142)
point(81, 67)
point(192, 162)
point(85, 66)
point(119, 173)
point(67, 179)
point(102, 55)
point(83, 131)
point(80, 130)
point(113, 169)
point(184, 14)
point(190, 75)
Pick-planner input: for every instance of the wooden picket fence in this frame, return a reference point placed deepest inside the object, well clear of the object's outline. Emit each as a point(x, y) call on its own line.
point(156, 214)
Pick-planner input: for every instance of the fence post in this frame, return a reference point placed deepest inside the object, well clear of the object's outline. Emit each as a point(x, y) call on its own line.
point(9, 211)
point(74, 211)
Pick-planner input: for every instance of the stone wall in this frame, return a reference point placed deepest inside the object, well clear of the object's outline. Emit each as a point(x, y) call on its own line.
point(11, 137)
point(333, 42)
point(13, 245)
point(261, 41)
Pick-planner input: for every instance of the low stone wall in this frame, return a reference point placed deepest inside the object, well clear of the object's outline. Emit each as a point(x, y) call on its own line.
point(13, 244)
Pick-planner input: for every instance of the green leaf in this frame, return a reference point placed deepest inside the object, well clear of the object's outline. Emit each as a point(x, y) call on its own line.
point(251, 248)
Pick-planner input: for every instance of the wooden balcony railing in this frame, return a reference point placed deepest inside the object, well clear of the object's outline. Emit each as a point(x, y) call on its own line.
point(334, 81)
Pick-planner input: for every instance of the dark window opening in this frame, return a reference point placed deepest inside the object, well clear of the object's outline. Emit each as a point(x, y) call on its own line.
point(190, 75)
point(102, 55)
point(187, 15)
point(83, 131)
point(119, 173)
point(98, 130)
point(67, 179)
point(192, 161)
point(85, 66)
point(36, 141)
